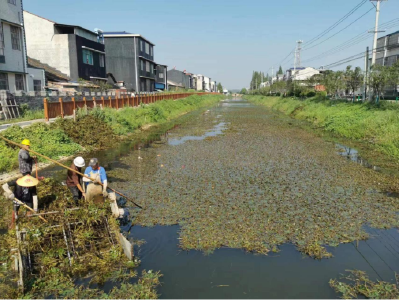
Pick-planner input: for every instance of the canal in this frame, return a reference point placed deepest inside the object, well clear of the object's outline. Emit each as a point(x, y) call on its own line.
point(240, 203)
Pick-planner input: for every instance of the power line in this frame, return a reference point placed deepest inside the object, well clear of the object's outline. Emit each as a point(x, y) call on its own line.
point(341, 30)
point(353, 41)
point(351, 12)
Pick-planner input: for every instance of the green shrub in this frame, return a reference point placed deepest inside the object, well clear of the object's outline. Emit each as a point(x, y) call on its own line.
point(52, 142)
point(311, 94)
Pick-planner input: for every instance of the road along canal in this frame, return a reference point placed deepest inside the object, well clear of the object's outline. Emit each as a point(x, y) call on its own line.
point(240, 203)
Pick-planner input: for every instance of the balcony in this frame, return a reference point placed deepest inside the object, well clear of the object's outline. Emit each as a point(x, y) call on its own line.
point(147, 74)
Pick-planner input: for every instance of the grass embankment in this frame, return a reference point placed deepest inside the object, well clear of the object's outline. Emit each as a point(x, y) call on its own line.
point(94, 130)
point(378, 126)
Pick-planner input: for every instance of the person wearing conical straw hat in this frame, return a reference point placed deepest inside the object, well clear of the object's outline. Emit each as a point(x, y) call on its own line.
point(25, 191)
point(24, 159)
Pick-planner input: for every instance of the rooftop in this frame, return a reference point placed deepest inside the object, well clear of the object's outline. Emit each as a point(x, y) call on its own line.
point(59, 24)
point(124, 34)
point(51, 73)
point(396, 32)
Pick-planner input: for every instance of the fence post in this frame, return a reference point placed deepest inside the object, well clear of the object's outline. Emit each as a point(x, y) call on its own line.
point(61, 107)
point(74, 103)
point(103, 101)
point(117, 102)
point(45, 105)
point(94, 102)
point(110, 101)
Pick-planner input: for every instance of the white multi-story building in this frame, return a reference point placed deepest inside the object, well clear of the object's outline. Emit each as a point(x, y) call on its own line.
point(301, 74)
point(13, 64)
point(207, 84)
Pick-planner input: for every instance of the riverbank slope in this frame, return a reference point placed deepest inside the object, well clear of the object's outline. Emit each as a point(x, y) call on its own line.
point(94, 129)
point(375, 126)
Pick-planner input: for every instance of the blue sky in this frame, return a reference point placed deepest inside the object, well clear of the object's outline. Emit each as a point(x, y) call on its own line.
point(225, 39)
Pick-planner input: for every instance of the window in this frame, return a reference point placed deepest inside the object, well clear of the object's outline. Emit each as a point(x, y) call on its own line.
point(87, 57)
point(102, 61)
point(1, 39)
point(142, 65)
point(19, 82)
point(15, 39)
point(151, 49)
point(147, 48)
point(141, 45)
point(148, 85)
point(142, 83)
point(37, 85)
point(161, 75)
point(147, 66)
point(152, 68)
point(3, 81)
point(14, 2)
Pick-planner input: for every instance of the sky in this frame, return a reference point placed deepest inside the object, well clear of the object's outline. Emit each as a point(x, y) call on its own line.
point(228, 39)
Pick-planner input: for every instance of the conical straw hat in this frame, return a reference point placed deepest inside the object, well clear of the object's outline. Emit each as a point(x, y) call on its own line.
point(27, 181)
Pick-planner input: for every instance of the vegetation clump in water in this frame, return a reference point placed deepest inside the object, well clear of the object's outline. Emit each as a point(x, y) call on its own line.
point(74, 244)
point(357, 284)
point(261, 184)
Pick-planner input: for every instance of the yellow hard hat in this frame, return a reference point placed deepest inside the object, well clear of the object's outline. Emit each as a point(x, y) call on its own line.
point(27, 181)
point(26, 142)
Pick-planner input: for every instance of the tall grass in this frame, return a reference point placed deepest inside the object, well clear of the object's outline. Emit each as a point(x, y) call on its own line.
point(376, 125)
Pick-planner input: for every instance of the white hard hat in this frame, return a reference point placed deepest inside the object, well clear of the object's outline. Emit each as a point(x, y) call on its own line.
point(79, 162)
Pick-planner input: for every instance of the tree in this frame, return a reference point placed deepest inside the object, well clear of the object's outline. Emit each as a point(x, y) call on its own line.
point(334, 82)
point(243, 91)
point(220, 88)
point(280, 71)
point(354, 78)
point(379, 78)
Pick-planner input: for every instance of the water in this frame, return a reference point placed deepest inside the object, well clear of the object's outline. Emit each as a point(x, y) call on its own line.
point(235, 273)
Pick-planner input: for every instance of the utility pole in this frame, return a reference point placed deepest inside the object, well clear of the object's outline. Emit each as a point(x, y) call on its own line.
point(297, 61)
point(377, 17)
point(366, 68)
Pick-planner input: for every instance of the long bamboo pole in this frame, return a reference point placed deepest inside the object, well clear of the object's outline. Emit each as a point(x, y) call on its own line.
point(61, 165)
point(26, 206)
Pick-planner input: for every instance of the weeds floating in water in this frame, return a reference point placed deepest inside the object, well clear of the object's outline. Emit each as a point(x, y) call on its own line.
point(357, 284)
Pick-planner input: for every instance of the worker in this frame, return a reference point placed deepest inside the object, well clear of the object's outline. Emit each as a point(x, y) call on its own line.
point(24, 159)
point(24, 191)
point(98, 175)
point(74, 180)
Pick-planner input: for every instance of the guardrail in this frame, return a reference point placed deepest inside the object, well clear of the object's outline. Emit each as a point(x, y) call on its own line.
point(68, 108)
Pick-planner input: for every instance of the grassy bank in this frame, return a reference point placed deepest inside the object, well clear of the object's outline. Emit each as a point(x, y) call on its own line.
point(378, 126)
point(94, 129)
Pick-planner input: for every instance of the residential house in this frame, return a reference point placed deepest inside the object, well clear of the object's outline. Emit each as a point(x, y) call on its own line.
point(130, 58)
point(73, 50)
point(161, 78)
point(180, 78)
point(13, 66)
point(207, 84)
point(213, 87)
point(301, 74)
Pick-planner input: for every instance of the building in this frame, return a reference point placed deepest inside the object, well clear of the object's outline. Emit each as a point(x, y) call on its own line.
point(213, 86)
point(13, 65)
point(130, 58)
point(301, 74)
point(388, 49)
point(161, 78)
point(74, 51)
point(181, 78)
point(207, 84)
